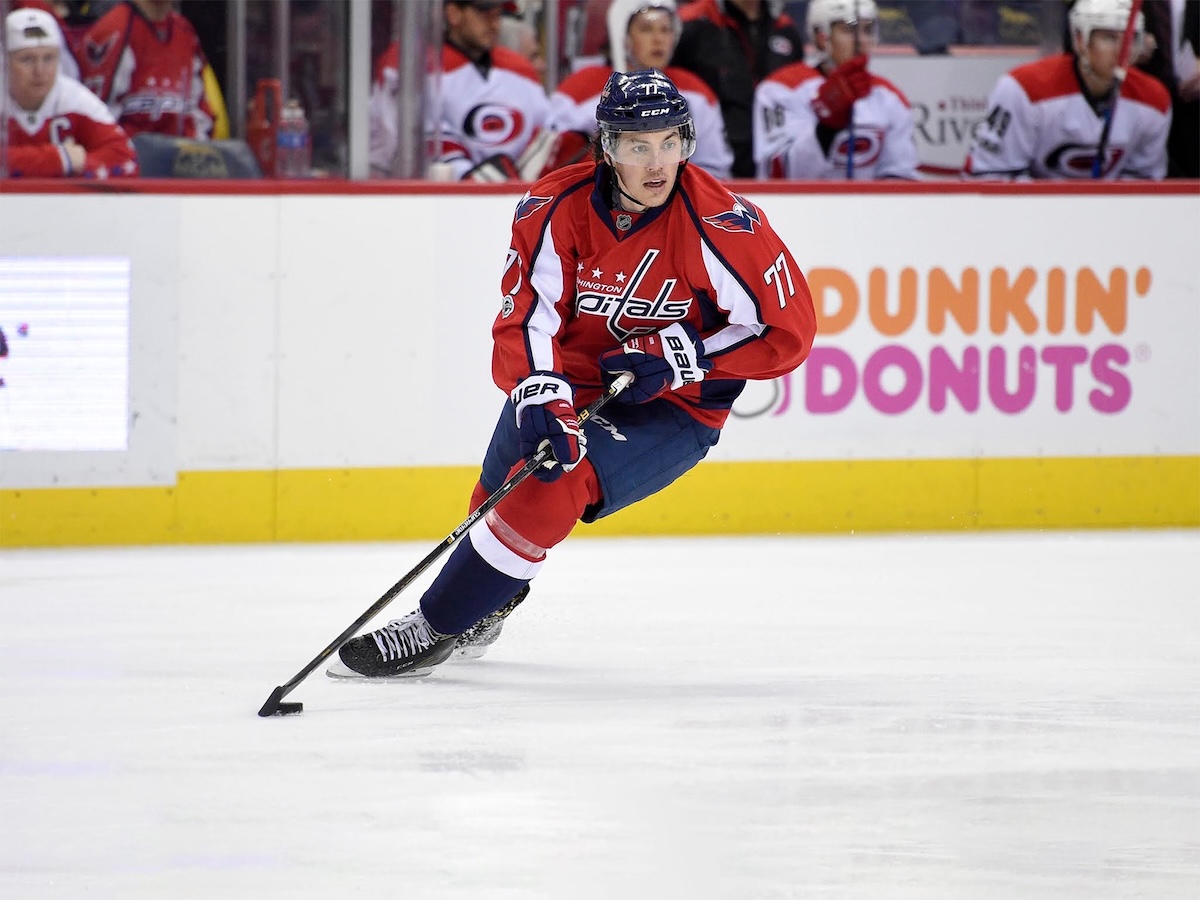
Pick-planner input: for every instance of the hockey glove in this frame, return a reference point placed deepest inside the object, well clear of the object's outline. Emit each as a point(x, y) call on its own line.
point(494, 169)
point(835, 98)
point(665, 360)
point(545, 408)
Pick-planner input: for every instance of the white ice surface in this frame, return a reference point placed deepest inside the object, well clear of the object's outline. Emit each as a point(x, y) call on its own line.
point(969, 717)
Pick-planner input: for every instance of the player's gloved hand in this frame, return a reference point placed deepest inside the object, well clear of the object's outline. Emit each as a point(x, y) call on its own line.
point(545, 406)
point(494, 169)
point(835, 98)
point(665, 360)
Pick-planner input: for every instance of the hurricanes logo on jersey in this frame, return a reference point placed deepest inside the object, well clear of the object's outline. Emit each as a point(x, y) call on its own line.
point(626, 313)
point(1075, 160)
point(743, 217)
point(491, 123)
point(868, 147)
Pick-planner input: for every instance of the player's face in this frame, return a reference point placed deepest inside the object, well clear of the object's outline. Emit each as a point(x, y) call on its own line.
point(31, 74)
point(473, 28)
point(1102, 52)
point(841, 40)
point(651, 39)
point(647, 164)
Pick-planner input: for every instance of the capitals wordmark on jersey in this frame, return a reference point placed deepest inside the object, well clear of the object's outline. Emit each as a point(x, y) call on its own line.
point(624, 312)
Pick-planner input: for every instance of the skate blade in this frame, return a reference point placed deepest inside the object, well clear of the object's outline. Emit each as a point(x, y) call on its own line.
point(339, 671)
point(461, 654)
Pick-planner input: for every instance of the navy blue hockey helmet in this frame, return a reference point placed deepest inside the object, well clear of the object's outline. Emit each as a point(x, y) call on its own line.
point(644, 100)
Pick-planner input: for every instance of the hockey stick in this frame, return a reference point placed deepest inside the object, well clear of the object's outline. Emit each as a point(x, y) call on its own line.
point(852, 135)
point(275, 705)
point(1119, 75)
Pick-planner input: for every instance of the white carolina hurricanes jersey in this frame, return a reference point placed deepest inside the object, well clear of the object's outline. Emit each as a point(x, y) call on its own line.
point(69, 112)
point(573, 108)
point(787, 145)
point(1041, 124)
point(484, 112)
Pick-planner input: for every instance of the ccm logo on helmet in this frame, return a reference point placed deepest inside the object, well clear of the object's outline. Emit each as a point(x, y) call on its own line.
point(654, 112)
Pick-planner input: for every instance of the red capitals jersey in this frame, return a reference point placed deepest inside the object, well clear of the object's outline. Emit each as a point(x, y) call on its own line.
point(149, 74)
point(785, 130)
point(1040, 124)
point(582, 279)
point(69, 112)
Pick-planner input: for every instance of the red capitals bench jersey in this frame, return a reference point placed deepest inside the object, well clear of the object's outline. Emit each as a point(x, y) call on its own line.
point(581, 279)
point(573, 108)
point(1041, 125)
point(70, 111)
point(150, 75)
point(785, 139)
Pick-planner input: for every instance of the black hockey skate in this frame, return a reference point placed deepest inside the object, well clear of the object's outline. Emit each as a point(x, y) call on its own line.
point(407, 647)
point(474, 642)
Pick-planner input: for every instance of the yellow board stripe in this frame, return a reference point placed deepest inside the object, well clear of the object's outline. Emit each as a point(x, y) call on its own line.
point(715, 498)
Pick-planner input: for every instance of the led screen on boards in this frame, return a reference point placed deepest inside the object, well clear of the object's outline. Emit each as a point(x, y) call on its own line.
point(64, 353)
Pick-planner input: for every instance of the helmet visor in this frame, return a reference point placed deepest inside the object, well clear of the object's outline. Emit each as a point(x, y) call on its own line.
point(649, 148)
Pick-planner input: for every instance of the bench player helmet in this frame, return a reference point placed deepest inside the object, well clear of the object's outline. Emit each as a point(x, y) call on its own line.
point(645, 100)
point(824, 14)
point(1111, 15)
point(621, 13)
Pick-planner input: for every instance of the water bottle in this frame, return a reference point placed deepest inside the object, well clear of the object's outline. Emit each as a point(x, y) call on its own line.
point(294, 148)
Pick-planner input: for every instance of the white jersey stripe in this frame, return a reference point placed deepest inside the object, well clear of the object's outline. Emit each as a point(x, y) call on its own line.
point(546, 279)
point(498, 556)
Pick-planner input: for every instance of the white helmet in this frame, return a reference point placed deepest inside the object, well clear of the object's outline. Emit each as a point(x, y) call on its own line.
point(620, 14)
point(29, 27)
point(1088, 15)
point(824, 14)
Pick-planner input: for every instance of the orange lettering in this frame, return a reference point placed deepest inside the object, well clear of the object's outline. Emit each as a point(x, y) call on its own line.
point(1011, 301)
point(886, 323)
point(962, 303)
point(826, 281)
point(1091, 297)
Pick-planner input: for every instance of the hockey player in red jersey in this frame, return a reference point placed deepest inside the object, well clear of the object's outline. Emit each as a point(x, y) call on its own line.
point(144, 60)
point(642, 34)
point(633, 262)
point(56, 126)
point(1045, 118)
point(806, 120)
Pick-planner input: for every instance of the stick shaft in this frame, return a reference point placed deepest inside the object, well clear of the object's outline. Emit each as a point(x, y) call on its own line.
point(853, 137)
point(1119, 75)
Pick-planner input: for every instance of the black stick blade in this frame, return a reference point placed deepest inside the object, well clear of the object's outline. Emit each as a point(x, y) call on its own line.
point(276, 707)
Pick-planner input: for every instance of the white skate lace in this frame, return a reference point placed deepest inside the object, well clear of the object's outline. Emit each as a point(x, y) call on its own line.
point(407, 636)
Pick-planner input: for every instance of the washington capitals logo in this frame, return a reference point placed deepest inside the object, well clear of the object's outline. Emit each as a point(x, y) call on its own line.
point(97, 51)
point(529, 205)
point(743, 217)
point(626, 313)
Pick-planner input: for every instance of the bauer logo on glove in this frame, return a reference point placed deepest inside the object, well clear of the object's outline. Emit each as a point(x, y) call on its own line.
point(664, 361)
